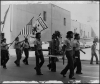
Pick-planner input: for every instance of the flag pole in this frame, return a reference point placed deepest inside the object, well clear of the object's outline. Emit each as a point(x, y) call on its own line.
point(14, 39)
point(10, 18)
point(5, 18)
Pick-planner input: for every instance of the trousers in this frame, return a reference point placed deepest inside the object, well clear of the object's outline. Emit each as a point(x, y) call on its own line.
point(70, 65)
point(18, 54)
point(26, 51)
point(39, 58)
point(4, 57)
point(77, 63)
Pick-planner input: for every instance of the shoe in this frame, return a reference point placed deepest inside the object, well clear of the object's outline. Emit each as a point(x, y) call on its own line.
point(63, 74)
point(71, 77)
point(24, 62)
point(18, 65)
point(53, 70)
point(35, 68)
point(91, 63)
point(48, 67)
point(39, 74)
point(79, 73)
point(4, 67)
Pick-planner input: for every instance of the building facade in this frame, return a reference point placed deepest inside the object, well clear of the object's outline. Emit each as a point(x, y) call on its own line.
point(83, 29)
point(55, 17)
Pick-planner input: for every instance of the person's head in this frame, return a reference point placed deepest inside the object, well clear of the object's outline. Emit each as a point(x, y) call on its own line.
point(69, 34)
point(94, 41)
point(77, 36)
point(17, 39)
point(53, 36)
point(26, 40)
point(38, 35)
point(58, 34)
point(4, 40)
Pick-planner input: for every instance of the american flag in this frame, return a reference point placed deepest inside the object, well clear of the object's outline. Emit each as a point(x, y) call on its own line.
point(39, 25)
point(27, 30)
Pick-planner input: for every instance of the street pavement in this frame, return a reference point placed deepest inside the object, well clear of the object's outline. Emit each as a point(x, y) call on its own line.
point(27, 72)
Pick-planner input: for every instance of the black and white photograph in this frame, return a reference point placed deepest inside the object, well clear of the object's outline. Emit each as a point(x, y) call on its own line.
point(49, 42)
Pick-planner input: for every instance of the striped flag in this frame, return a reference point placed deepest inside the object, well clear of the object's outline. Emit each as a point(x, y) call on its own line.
point(27, 30)
point(39, 25)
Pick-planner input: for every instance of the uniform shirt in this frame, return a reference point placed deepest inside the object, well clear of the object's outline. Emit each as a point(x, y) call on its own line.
point(3, 47)
point(38, 44)
point(69, 44)
point(76, 44)
point(17, 45)
point(93, 48)
point(26, 45)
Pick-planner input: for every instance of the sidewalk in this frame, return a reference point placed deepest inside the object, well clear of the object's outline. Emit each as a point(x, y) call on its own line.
point(86, 56)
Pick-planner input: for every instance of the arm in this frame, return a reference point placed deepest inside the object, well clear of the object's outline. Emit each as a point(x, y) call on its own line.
point(82, 51)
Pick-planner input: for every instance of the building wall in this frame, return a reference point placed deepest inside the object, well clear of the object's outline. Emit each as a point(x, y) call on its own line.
point(22, 14)
point(83, 29)
point(58, 15)
point(6, 28)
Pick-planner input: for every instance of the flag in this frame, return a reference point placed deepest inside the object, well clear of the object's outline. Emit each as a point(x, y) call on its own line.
point(6, 15)
point(27, 30)
point(39, 25)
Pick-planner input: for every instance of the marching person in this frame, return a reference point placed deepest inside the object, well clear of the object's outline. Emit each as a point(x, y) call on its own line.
point(38, 53)
point(77, 50)
point(4, 53)
point(18, 49)
point(68, 49)
point(93, 52)
point(57, 43)
point(26, 47)
point(52, 51)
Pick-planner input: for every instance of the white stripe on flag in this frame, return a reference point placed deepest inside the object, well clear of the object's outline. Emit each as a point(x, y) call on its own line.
point(26, 30)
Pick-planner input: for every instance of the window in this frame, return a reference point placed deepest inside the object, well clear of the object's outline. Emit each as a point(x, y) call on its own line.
point(64, 21)
point(44, 15)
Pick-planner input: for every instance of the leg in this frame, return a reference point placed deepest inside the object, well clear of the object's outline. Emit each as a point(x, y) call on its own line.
point(71, 66)
point(2, 59)
point(91, 61)
point(79, 67)
point(49, 65)
point(26, 56)
point(41, 58)
point(96, 58)
point(19, 57)
point(38, 71)
point(7, 57)
point(53, 64)
point(75, 63)
point(64, 71)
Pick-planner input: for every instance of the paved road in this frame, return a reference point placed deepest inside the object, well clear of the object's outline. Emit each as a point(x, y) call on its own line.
point(27, 72)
